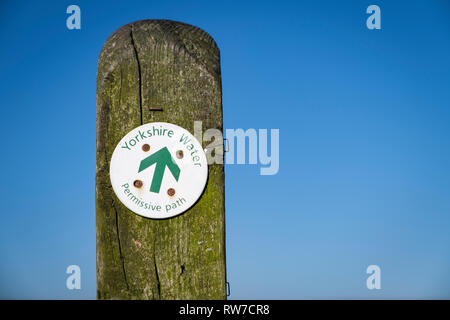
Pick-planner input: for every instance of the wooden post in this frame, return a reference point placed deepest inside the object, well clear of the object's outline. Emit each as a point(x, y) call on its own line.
point(148, 71)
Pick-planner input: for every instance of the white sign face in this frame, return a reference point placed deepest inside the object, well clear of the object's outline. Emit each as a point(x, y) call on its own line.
point(158, 170)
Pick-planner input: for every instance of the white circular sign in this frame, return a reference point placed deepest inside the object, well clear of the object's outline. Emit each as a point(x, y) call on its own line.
point(158, 170)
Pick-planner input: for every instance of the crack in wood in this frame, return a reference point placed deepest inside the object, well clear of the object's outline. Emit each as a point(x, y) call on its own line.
point(157, 276)
point(122, 258)
point(139, 73)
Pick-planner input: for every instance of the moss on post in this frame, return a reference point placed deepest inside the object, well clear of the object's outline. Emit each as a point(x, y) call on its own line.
point(148, 71)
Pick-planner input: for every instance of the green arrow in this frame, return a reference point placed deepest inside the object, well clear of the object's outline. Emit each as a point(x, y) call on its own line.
point(163, 159)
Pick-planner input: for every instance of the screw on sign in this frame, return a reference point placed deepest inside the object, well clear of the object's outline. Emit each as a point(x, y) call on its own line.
point(160, 209)
point(146, 147)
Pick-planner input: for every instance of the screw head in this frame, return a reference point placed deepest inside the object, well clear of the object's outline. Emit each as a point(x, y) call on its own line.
point(146, 147)
point(171, 192)
point(180, 154)
point(138, 184)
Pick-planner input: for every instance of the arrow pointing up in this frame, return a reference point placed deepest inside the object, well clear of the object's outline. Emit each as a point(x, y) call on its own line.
point(163, 159)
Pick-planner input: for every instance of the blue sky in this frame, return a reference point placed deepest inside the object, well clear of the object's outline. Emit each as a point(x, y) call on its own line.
point(364, 144)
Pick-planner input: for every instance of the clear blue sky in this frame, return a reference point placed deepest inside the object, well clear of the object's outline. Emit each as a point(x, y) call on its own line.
point(364, 144)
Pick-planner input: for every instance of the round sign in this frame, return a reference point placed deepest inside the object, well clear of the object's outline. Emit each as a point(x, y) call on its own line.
point(158, 170)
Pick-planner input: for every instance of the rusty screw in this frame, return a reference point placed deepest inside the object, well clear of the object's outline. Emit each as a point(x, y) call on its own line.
point(171, 192)
point(180, 154)
point(146, 147)
point(138, 184)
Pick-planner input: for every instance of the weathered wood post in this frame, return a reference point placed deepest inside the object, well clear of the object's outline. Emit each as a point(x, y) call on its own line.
point(165, 71)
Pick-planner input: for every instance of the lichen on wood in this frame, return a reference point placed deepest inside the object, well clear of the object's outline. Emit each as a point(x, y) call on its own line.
point(158, 71)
